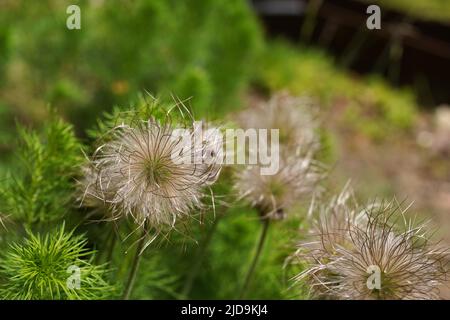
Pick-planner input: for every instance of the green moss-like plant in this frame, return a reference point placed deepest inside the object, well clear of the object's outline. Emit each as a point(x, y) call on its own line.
point(42, 189)
point(368, 105)
point(46, 267)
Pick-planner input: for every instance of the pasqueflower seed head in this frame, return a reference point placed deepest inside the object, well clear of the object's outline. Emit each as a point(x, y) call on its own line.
point(379, 260)
point(274, 195)
point(149, 172)
point(293, 116)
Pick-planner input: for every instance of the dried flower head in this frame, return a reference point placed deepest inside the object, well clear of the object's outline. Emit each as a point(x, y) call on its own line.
point(293, 116)
point(333, 221)
point(299, 174)
point(373, 258)
point(329, 231)
point(91, 193)
point(273, 195)
point(147, 170)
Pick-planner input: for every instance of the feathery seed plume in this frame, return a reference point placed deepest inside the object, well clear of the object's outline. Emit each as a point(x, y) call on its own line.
point(373, 258)
point(146, 170)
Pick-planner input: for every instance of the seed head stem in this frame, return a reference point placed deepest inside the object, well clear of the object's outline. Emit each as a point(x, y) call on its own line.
point(251, 270)
point(135, 264)
point(201, 253)
point(112, 245)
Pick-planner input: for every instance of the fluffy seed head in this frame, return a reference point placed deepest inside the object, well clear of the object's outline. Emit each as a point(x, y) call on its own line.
point(147, 171)
point(274, 195)
point(293, 116)
point(334, 219)
point(299, 174)
point(373, 258)
point(329, 231)
point(91, 193)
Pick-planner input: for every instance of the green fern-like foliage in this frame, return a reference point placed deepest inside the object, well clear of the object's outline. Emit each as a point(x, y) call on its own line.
point(213, 42)
point(42, 189)
point(166, 110)
point(41, 267)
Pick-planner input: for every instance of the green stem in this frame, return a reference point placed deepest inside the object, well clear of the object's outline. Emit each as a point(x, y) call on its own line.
point(251, 270)
point(112, 244)
point(199, 257)
point(135, 265)
point(107, 240)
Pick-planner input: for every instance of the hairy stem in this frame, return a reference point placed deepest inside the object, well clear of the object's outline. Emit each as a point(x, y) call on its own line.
point(135, 265)
point(200, 255)
point(107, 240)
point(112, 244)
point(251, 270)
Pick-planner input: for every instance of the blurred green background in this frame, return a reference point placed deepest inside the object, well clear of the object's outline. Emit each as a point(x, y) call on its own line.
point(216, 54)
